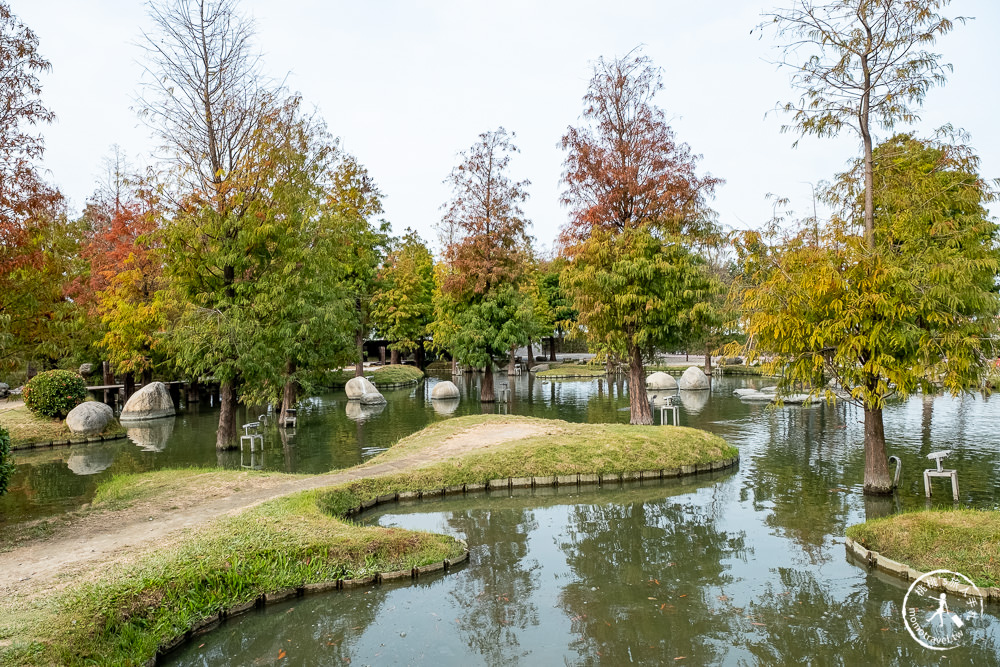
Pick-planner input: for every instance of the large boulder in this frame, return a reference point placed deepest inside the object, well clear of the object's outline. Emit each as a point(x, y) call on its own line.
point(86, 369)
point(4, 389)
point(151, 402)
point(357, 387)
point(444, 391)
point(661, 380)
point(372, 398)
point(89, 418)
point(539, 368)
point(694, 379)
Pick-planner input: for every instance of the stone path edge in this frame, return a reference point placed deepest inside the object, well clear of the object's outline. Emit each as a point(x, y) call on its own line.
point(874, 559)
point(212, 622)
point(68, 442)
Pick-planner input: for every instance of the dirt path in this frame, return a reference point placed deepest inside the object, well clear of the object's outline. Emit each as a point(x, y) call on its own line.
point(122, 535)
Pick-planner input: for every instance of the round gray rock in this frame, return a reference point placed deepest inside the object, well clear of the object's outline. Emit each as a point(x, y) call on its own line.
point(89, 418)
point(150, 402)
point(357, 387)
point(539, 368)
point(4, 389)
point(86, 369)
point(372, 398)
point(661, 380)
point(444, 391)
point(694, 379)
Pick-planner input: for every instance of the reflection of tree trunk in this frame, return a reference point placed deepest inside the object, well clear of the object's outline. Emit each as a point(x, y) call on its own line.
point(486, 392)
point(291, 391)
point(877, 479)
point(359, 342)
point(638, 403)
point(926, 416)
point(531, 357)
point(510, 361)
point(394, 357)
point(877, 507)
point(225, 437)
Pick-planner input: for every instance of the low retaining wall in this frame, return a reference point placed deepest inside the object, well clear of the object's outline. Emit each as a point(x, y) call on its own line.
point(212, 622)
point(508, 483)
point(67, 442)
point(906, 573)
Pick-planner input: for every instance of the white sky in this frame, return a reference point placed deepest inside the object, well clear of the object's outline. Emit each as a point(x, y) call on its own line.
point(408, 84)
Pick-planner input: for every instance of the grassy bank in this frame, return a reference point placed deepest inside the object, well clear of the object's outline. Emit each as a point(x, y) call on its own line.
point(966, 541)
point(27, 428)
point(396, 374)
point(121, 614)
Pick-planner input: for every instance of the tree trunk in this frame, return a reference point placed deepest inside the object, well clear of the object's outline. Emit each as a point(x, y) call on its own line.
point(877, 478)
point(394, 357)
point(193, 392)
point(359, 366)
point(531, 357)
point(708, 363)
point(552, 348)
point(381, 354)
point(486, 391)
point(637, 400)
point(866, 140)
point(225, 436)
point(129, 381)
point(454, 366)
point(510, 362)
point(291, 391)
point(107, 378)
point(421, 355)
point(147, 376)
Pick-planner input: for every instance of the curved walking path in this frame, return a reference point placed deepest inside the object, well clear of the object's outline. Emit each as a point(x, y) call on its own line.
point(120, 535)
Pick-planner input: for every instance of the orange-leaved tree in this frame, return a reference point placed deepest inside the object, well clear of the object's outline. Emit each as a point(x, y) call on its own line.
point(638, 214)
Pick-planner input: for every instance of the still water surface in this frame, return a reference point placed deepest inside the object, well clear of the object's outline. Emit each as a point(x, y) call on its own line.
point(742, 567)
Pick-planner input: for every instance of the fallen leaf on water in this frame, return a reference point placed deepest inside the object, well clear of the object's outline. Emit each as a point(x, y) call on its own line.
point(657, 581)
point(281, 654)
point(685, 595)
point(650, 598)
point(202, 645)
point(662, 606)
point(757, 624)
point(681, 657)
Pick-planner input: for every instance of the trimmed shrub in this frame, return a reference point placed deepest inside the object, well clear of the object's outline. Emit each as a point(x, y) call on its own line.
point(6, 467)
point(54, 393)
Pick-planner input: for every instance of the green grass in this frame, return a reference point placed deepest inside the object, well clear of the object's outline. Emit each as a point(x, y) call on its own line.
point(572, 370)
point(125, 490)
point(26, 428)
point(741, 370)
point(381, 376)
point(129, 610)
point(121, 614)
point(966, 541)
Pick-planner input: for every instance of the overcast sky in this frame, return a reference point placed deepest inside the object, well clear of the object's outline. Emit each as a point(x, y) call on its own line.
point(406, 85)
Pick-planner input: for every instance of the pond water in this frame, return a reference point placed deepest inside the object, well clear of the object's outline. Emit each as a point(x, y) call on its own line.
point(742, 567)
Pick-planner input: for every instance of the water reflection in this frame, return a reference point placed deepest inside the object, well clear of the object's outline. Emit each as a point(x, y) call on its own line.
point(91, 459)
point(152, 435)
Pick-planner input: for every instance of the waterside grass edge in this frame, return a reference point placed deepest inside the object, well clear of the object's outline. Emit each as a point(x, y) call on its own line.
point(131, 612)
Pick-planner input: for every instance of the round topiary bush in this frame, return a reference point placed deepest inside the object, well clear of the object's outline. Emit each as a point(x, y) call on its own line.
point(54, 393)
point(6, 467)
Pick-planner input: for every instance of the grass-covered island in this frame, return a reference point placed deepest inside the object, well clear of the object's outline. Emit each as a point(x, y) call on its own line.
point(394, 375)
point(125, 611)
point(28, 429)
point(965, 541)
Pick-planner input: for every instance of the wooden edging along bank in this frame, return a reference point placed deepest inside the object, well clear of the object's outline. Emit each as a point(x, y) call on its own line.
point(508, 483)
point(906, 573)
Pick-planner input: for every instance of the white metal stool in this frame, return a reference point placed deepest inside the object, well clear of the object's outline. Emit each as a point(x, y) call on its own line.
point(253, 437)
point(940, 472)
point(674, 409)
